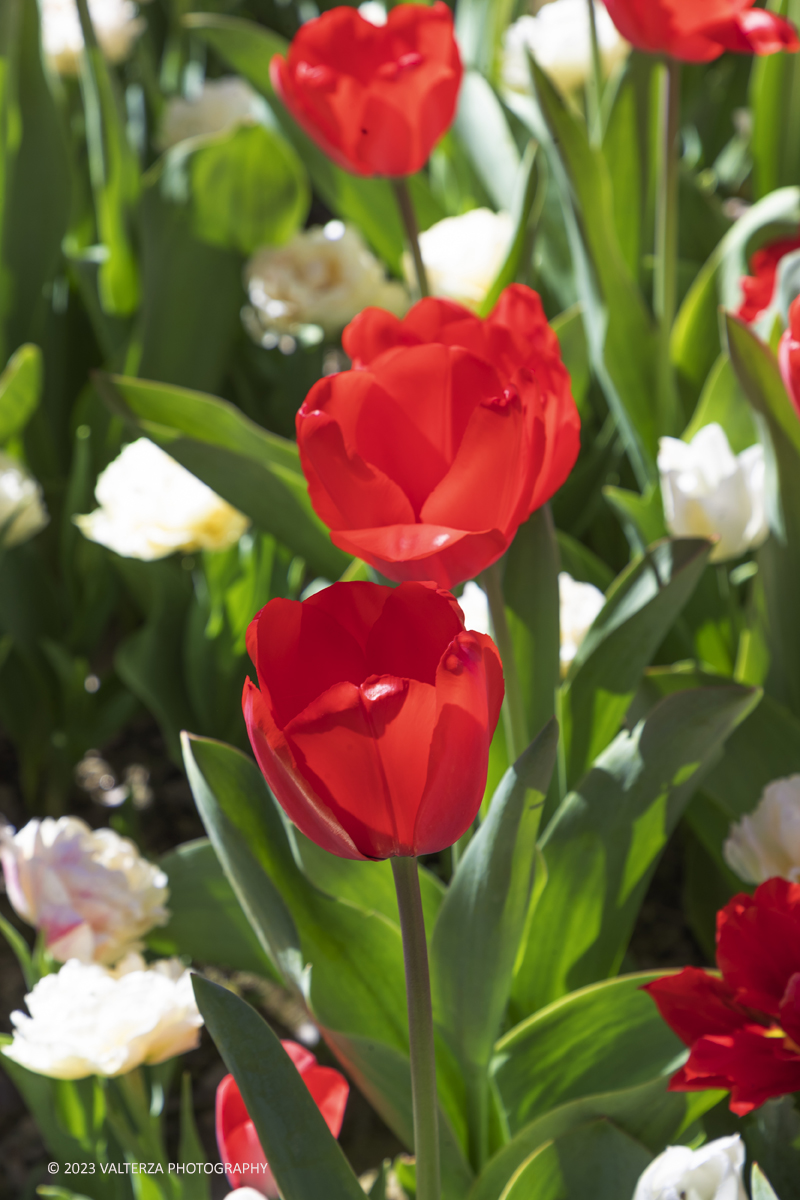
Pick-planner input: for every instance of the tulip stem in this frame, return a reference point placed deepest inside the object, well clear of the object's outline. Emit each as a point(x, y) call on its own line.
point(594, 85)
point(420, 1028)
point(514, 719)
point(406, 206)
point(665, 282)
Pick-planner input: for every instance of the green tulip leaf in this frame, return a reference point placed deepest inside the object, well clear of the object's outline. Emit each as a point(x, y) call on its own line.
point(303, 1155)
point(20, 390)
point(596, 1160)
point(760, 1186)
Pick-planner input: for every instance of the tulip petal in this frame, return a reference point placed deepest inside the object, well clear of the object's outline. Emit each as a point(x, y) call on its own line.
point(356, 607)
point(365, 752)
point(752, 1062)
point(403, 552)
point(758, 944)
point(694, 1003)
point(412, 632)
point(302, 651)
point(754, 32)
point(273, 755)
point(372, 333)
point(469, 693)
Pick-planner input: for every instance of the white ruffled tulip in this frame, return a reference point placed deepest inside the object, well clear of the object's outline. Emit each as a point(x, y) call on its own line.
point(221, 104)
point(767, 841)
point(89, 891)
point(559, 38)
point(89, 1020)
point(462, 255)
point(579, 605)
point(116, 25)
point(151, 506)
point(22, 509)
point(324, 276)
point(708, 491)
point(714, 1172)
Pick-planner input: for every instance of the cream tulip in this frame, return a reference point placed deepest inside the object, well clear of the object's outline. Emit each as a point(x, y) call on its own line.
point(219, 105)
point(90, 892)
point(559, 39)
point(462, 255)
point(22, 509)
point(89, 1020)
point(709, 492)
point(116, 26)
point(767, 841)
point(714, 1172)
point(579, 604)
point(324, 276)
point(151, 506)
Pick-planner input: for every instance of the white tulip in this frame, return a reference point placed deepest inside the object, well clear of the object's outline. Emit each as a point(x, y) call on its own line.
point(708, 491)
point(579, 605)
point(245, 1193)
point(374, 12)
point(220, 105)
point(116, 26)
point(767, 841)
point(89, 891)
point(323, 276)
point(89, 1020)
point(151, 506)
point(462, 255)
point(714, 1172)
point(22, 509)
point(559, 38)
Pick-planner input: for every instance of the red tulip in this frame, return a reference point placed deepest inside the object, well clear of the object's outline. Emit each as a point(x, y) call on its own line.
point(700, 30)
point(743, 1029)
point(450, 431)
point(376, 99)
point(375, 715)
point(789, 355)
point(236, 1134)
point(758, 287)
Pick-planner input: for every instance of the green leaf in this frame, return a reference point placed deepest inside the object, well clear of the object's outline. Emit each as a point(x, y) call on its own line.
point(192, 298)
point(355, 987)
point(764, 747)
point(255, 470)
point(605, 1037)
point(246, 188)
point(478, 932)
point(779, 560)
point(21, 950)
point(190, 1149)
point(775, 104)
point(206, 920)
point(641, 606)
point(526, 203)
point(483, 130)
point(530, 591)
point(304, 1157)
point(641, 517)
point(648, 1113)
point(603, 845)
point(760, 1187)
point(20, 390)
point(596, 1160)
point(724, 403)
point(619, 331)
point(574, 353)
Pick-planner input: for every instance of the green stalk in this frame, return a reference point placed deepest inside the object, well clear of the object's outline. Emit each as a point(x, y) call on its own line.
point(665, 283)
point(420, 1028)
point(594, 84)
point(409, 217)
point(514, 719)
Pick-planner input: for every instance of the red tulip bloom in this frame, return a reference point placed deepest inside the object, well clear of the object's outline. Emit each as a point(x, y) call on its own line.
point(375, 716)
point(789, 355)
point(743, 1029)
point(236, 1134)
point(376, 99)
point(758, 288)
point(426, 458)
point(700, 30)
